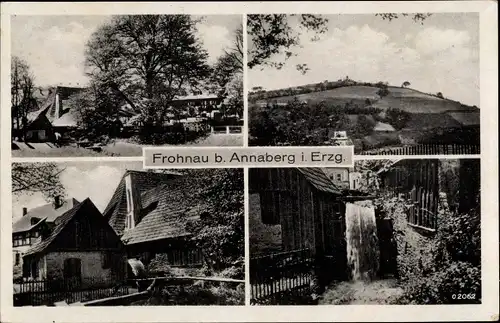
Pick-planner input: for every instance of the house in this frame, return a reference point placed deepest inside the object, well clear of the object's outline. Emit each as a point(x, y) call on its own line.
point(78, 246)
point(28, 230)
point(428, 191)
point(344, 177)
point(149, 212)
point(340, 138)
point(425, 181)
point(383, 127)
point(310, 210)
point(54, 114)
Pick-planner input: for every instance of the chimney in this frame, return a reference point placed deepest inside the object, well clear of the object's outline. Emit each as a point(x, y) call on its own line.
point(57, 202)
point(25, 211)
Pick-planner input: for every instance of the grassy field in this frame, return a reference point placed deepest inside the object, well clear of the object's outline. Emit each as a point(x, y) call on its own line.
point(120, 148)
point(402, 98)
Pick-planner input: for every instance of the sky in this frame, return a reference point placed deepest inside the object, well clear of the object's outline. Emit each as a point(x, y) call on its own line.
point(54, 46)
point(440, 55)
point(81, 180)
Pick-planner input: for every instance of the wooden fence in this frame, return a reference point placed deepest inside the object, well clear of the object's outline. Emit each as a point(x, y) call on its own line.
point(426, 149)
point(276, 277)
point(48, 292)
point(422, 211)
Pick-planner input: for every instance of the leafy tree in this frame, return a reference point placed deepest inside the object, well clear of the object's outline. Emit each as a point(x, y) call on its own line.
point(29, 178)
point(417, 17)
point(273, 38)
point(219, 232)
point(233, 101)
point(397, 118)
point(405, 84)
point(98, 111)
point(148, 60)
point(229, 64)
point(22, 94)
point(440, 95)
point(272, 35)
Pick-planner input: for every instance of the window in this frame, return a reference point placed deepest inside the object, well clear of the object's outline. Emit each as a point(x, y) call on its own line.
point(339, 177)
point(72, 268)
point(18, 259)
point(129, 201)
point(106, 260)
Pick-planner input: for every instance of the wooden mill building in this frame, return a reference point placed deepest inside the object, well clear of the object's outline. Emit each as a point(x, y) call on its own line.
point(310, 209)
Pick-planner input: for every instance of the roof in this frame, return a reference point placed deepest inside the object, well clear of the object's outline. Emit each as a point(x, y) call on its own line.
point(318, 179)
point(169, 210)
point(143, 181)
point(387, 165)
point(381, 126)
point(60, 223)
point(197, 97)
point(66, 120)
point(45, 212)
point(466, 118)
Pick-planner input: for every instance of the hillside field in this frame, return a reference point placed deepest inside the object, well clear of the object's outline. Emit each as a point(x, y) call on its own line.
point(406, 99)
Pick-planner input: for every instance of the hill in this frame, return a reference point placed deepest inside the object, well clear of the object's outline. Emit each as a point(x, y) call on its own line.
point(405, 99)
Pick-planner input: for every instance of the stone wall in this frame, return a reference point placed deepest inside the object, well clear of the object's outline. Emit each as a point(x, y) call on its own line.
point(92, 263)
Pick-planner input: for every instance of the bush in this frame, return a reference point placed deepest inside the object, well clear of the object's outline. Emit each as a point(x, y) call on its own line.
point(458, 283)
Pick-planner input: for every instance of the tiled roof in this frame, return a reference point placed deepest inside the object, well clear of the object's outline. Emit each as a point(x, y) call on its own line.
point(60, 223)
point(170, 208)
point(115, 211)
point(45, 212)
point(318, 179)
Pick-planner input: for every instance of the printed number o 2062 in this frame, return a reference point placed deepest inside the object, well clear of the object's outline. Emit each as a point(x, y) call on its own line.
point(464, 296)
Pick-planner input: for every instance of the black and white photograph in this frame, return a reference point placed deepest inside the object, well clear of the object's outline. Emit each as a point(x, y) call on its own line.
point(109, 85)
point(385, 232)
point(138, 238)
point(386, 83)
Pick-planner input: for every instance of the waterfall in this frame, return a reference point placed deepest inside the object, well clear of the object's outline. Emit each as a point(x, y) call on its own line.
point(362, 242)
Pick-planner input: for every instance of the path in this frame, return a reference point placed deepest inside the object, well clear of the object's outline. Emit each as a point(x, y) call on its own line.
point(384, 291)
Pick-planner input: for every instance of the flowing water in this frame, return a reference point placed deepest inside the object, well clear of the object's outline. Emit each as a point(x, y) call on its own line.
point(362, 242)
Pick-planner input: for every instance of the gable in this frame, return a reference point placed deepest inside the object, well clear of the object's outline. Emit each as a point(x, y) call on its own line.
point(85, 218)
point(87, 230)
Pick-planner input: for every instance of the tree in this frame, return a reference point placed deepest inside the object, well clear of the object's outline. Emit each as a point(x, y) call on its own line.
point(405, 84)
point(440, 95)
point(148, 60)
point(272, 35)
point(273, 38)
point(397, 118)
point(22, 97)
point(233, 101)
point(228, 65)
point(98, 111)
point(29, 178)
point(417, 17)
point(219, 231)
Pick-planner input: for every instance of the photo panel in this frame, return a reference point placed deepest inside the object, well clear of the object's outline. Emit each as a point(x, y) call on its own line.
point(386, 83)
point(385, 232)
point(103, 85)
point(138, 238)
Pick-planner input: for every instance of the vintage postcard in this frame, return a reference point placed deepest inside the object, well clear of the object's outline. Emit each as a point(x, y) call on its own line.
point(249, 162)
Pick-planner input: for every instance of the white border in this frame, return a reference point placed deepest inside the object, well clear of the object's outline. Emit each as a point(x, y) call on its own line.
point(488, 310)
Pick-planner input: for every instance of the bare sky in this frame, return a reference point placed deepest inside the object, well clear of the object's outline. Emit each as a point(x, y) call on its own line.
point(95, 180)
point(53, 46)
point(440, 55)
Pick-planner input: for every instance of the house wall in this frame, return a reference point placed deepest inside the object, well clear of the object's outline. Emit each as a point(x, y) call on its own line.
point(92, 266)
point(340, 176)
point(264, 238)
point(416, 247)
